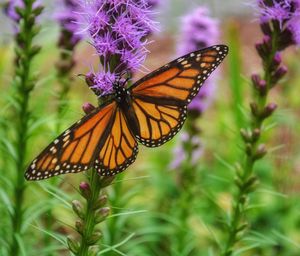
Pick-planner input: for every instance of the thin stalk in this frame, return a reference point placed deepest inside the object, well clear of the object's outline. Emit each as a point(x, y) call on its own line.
point(246, 179)
point(24, 84)
point(89, 220)
point(187, 181)
point(91, 215)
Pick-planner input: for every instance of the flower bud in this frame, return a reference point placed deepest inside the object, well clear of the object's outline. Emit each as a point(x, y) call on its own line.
point(279, 73)
point(238, 182)
point(73, 245)
point(254, 109)
point(79, 226)
point(94, 238)
point(265, 47)
point(239, 170)
point(89, 79)
point(246, 135)
point(256, 134)
point(106, 181)
point(102, 200)
point(38, 10)
point(260, 50)
point(252, 180)
point(269, 110)
point(101, 214)
point(266, 29)
point(85, 190)
point(285, 39)
point(259, 84)
point(93, 250)
point(277, 60)
point(242, 227)
point(260, 152)
point(88, 108)
point(34, 50)
point(78, 208)
point(249, 149)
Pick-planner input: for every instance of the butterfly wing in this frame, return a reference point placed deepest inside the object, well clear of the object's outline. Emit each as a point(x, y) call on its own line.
point(75, 149)
point(119, 148)
point(157, 122)
point(160, 99)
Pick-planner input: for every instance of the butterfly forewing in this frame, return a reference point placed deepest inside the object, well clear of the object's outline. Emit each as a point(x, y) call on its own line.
point(119, 147)
point(74, 150)
point(160, 98)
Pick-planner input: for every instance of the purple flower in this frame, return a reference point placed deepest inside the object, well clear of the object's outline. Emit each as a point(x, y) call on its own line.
point(199, 30)
point(188, 142)
point(117, 29)
point(285, 13)
point(101, 82)
point(67, 17)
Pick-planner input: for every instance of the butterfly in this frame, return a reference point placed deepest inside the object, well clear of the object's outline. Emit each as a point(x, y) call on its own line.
point(150, 112)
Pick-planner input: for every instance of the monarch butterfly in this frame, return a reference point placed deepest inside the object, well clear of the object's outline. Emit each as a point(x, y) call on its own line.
point(150, 112)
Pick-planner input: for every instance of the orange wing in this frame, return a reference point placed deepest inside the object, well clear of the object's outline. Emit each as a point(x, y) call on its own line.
point(119, 148)
point(160, 99)
point(75, 149)
point(157, 123)
point(178, 82)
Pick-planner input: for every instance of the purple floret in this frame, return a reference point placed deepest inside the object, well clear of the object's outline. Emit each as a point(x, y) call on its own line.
point(117, 30)
point(284, 12)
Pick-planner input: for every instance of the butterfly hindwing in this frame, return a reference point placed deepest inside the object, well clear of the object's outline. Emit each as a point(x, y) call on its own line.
point(74, 150)
point(119, 147)
point(157, 123)
point(160, 99)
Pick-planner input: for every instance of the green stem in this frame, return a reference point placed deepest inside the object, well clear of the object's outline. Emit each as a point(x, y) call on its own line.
point(187, 182)
point(89, 219)
point(23, 86)
point(247, 176)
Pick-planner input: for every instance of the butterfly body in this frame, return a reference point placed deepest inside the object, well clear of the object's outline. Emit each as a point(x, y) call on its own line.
point(151, 112)
point(124, 99)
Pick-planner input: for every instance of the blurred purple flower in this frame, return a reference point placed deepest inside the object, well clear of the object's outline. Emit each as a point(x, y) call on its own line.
point(117, 30)
point(10, 9)
point(67, 16)
point(190, 143)
point(199, 30)
point(286, 13)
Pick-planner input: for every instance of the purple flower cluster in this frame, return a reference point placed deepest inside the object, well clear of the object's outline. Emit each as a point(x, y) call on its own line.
point(118, 31)
point(199, 30)
point(283, 16)
point(280, 24)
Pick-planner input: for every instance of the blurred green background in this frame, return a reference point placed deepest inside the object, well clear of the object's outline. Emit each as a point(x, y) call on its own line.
point(147, 201)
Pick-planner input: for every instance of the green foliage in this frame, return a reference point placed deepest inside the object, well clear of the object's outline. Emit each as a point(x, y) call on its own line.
point(152, 213)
